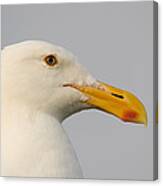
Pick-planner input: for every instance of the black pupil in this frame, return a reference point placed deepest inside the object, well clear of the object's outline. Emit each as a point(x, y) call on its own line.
point(51, 60)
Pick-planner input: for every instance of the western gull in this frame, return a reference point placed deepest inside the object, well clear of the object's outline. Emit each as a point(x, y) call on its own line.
point(42, 84)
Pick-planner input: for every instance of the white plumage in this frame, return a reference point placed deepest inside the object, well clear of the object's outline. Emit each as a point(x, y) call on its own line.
point(41, 85)
point(34, 103)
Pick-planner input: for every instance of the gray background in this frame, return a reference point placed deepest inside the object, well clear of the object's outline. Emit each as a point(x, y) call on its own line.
point(114, 41)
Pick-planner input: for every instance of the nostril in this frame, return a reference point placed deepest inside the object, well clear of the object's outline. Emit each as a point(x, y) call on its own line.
point(117, 95)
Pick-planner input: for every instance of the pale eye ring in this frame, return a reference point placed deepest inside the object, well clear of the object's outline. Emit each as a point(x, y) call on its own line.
point(51, 60)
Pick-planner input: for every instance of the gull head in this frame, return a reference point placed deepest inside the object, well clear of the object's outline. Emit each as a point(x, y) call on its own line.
point(49, 78)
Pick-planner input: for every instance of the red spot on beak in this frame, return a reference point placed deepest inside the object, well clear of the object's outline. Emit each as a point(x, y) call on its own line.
point(129, 115)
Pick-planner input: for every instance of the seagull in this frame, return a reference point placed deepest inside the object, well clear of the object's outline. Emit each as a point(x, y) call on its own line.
point(42, 84)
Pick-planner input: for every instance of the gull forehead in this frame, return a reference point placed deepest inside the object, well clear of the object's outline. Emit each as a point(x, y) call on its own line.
point(36, 47)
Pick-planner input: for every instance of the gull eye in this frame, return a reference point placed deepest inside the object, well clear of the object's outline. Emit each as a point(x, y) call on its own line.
point(51, 60)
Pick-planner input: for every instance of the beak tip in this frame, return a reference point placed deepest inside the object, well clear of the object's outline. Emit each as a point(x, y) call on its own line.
point(139, 117)
point(146, 121)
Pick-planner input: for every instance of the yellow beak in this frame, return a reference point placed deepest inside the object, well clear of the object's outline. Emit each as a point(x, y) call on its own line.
point(120, 103)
